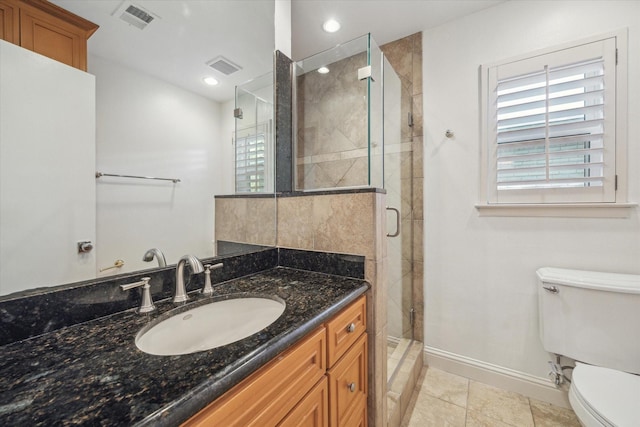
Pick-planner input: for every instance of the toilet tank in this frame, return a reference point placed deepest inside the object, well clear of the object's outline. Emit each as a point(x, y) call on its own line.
point(590, 316)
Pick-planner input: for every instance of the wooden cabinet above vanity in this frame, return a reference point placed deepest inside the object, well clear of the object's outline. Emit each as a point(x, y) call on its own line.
point(47, 29)
point(320, 382)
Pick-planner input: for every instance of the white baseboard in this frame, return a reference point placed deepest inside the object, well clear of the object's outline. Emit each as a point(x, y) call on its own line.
point(508, 379)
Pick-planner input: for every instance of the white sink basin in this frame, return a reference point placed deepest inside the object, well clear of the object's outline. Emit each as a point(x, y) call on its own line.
point(209, 326)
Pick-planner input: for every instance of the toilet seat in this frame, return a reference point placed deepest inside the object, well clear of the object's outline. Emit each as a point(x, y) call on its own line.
point(605, 397)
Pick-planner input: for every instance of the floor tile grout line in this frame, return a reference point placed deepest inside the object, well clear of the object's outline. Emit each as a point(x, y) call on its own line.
point(533, 419)
point(466, 402)
point(421, 388)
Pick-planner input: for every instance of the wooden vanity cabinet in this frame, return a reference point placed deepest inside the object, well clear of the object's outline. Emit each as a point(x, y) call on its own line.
point(313, 410)
point(348, 386)
point(347, 359)
point(8, 31)
point(269, 394)
point(345, 329)
point(47, 29)
point(320, 382)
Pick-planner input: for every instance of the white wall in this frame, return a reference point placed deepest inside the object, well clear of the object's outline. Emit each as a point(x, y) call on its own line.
point(480, 283)
point(282, 23)
point(47, 156)
point(148, 127)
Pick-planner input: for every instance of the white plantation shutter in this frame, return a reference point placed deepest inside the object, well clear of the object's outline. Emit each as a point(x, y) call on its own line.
point(251, 159)
point(551, 127)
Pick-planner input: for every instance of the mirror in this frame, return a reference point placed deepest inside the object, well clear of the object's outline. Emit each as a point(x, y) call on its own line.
point(155, 117)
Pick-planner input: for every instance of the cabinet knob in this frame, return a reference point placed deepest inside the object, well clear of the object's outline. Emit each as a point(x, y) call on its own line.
point(352, 387)
point(351, 327)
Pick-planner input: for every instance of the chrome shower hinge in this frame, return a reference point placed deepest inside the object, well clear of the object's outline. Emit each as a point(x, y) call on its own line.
point(365, 72)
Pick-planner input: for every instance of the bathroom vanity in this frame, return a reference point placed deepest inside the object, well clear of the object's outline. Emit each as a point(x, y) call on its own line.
point(93, 373)
point(323, 377)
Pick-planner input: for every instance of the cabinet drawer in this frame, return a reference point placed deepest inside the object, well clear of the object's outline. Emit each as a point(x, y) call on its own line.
point(269, 394)
point(313, 410)
point(344, 329)
point(348, 384)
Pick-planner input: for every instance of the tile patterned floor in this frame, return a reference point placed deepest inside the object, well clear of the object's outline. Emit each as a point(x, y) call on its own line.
point(443, 399)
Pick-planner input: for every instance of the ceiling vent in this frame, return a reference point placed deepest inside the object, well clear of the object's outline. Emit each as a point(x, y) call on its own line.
point(223, 65)
point(135, 15)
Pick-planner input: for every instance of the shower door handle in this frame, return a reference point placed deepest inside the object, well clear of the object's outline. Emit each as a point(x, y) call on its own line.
point(397, 222)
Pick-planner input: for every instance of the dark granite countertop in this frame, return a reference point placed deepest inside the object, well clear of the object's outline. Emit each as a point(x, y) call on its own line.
point(93, 374)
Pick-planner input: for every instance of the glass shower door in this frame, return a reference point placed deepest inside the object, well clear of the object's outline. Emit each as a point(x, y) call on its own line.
point(397, 164)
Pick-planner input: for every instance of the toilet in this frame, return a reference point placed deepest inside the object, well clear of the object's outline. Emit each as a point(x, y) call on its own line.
point(594, 318)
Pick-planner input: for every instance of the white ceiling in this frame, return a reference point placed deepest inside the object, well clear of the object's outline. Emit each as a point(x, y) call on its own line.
point(386, 20)
point(189, 33)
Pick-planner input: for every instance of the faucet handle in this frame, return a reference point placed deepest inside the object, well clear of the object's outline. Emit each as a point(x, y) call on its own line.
point(146, 305)
point(215, 266)
point(208, 289)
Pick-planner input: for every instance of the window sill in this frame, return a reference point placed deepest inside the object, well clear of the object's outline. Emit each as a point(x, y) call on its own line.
point(569, 210)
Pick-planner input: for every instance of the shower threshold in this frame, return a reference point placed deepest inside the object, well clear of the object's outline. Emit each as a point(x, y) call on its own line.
point(404, 363)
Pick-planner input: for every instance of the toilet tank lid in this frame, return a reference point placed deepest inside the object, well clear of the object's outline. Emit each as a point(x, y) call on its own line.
point(612, 282)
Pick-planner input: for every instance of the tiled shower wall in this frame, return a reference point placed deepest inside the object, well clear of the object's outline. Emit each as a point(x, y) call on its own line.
point(405, 55)
point(249, 220)
point(331, 127)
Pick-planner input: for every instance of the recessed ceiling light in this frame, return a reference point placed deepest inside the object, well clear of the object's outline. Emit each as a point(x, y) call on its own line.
point(331, 26)
point(210, 81)
point(323, 70)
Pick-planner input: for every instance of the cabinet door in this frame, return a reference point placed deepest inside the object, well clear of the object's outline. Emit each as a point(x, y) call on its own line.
point(269, 394)
point(52, 37)
point(8, 23)
point(357, 417)
point(348, 385)
point(313, 410)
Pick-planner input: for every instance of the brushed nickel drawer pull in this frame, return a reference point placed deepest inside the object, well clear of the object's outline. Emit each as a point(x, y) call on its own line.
point(351, 327)
point(352, 387)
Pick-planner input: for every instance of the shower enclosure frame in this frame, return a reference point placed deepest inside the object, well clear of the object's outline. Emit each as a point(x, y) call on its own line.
point(388, 164)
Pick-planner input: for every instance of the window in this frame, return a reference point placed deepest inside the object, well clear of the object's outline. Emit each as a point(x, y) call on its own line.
point(251, 159)
point(549, 126)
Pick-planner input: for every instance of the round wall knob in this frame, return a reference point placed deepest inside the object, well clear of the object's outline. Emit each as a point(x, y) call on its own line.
point(352, 387)
point(84, 247)
point(351, 327)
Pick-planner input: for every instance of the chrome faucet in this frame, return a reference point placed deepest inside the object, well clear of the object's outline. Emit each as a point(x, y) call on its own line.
point(196, 267)
point(148, 257)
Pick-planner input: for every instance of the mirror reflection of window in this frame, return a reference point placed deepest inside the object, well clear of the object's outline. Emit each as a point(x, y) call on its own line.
point(251, 158)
